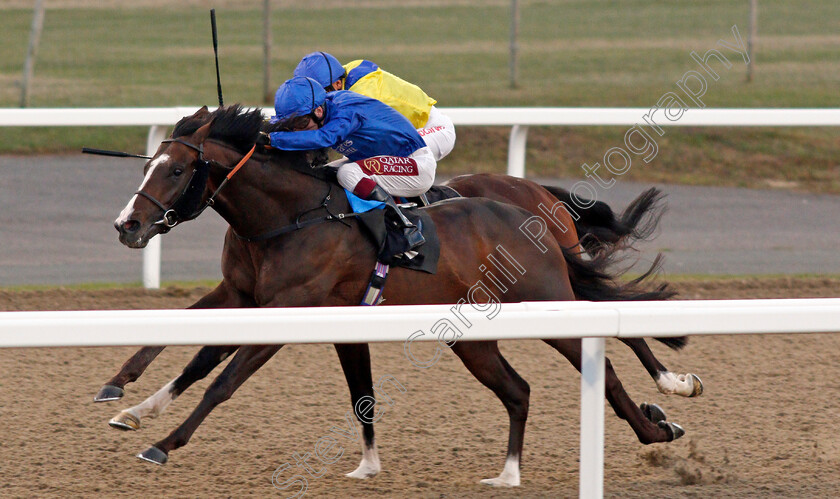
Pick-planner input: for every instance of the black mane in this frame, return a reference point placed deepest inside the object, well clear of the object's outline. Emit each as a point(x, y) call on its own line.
point(189, 124)
point(233, 125)
point(238, 127)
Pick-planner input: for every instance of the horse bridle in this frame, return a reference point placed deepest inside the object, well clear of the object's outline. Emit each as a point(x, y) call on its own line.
point(187, 205)
point(190, 198)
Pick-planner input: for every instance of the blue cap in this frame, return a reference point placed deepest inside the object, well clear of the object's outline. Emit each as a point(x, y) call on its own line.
point(298, 96)
point(321, 67)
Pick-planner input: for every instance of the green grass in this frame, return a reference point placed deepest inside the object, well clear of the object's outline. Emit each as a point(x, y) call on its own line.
point(572, 53)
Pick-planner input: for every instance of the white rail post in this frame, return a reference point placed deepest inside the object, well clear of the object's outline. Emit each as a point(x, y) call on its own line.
point(592, 375)
point(151, 253)
point(516, 150)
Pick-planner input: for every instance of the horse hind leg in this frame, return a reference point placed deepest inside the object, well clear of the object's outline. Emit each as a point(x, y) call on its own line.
point(355, 362)
point(200, 366)
point(129, 373)
point(649, 424)
point(487, 364)
point(667, 382)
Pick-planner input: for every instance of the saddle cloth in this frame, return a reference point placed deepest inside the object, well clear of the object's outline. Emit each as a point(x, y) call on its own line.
point(390, 244)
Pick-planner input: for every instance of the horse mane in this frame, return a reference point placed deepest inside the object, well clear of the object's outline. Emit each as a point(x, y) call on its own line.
point(188, 125)
point(239, 127)
point(236, 126)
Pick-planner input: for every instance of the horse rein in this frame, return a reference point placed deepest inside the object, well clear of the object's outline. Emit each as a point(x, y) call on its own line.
point(195, 186)
point(172, 217)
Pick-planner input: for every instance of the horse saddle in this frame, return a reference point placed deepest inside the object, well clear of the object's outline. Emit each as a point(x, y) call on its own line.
point(389, 238)
point(391, 243)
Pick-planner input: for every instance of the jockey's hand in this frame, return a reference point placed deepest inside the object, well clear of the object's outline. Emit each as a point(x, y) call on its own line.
point(264, 140)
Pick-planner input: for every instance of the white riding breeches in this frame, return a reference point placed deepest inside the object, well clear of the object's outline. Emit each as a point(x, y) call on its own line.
point(405, 177)
point(439, 133)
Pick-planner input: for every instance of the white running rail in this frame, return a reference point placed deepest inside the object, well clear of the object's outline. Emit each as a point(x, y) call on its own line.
point(594, 321)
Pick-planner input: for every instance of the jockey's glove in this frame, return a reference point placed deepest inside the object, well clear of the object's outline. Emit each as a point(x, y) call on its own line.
point(264, 140)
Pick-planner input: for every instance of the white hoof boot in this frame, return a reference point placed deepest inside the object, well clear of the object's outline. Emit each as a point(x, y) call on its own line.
point(685, 385)
point(509, 476)
point(369, 466)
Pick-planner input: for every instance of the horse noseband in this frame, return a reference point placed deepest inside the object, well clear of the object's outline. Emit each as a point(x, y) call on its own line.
point(187, 205)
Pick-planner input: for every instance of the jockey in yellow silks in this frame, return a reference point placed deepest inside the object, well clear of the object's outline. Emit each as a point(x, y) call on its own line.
point(366, 78)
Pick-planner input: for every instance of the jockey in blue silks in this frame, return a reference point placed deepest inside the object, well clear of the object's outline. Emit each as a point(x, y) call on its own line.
point(386, 155)
point(366, 78)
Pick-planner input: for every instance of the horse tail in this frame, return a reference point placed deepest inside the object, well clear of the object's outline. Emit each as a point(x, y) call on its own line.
point(598, 224)
point(591, 280)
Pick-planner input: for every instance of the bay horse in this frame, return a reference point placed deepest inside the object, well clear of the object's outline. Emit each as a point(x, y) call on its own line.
point(595, 221)
point(329, 265)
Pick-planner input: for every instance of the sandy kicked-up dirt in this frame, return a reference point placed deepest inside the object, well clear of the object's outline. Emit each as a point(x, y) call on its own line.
point(766, 426)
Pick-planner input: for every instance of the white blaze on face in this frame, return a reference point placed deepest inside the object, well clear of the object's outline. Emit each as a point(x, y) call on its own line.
point(126, 212)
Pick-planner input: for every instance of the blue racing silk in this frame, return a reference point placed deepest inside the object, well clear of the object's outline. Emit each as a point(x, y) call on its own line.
point(357, 127)
point(359, 205)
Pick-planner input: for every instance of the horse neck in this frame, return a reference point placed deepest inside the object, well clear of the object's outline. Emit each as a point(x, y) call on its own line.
point(265, 194)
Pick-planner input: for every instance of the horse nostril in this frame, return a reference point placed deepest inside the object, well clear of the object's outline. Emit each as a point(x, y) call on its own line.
point(128, 226)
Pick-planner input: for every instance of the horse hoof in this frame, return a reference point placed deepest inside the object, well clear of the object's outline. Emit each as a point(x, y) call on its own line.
point(698, 385)
point(366, 469)
point(125, 421)
point(674, 430)
point(653, 412)
point(499, 482)
point(108, 393)
point(362, 474)
point(153, 455)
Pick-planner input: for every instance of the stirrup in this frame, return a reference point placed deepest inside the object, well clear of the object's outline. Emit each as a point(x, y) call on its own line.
point(413, 237)
point(401, 219)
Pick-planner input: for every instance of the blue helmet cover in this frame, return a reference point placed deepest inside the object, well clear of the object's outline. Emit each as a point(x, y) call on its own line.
point(321, 67)
point(298, 96)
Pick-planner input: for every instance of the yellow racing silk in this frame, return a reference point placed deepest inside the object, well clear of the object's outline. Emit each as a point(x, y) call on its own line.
point(366, 78)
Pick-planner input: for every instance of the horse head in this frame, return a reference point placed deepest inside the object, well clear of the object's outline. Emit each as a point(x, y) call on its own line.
point(190, 168)
point(174, 186)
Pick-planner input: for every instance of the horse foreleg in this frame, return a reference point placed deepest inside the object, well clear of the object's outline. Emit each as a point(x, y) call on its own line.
point(129, 372)
point(685, 385)
point(245, 363)
point(485, 362)
point(221, 297)
point(200, 366)
point(355, 361)
point(648, 420)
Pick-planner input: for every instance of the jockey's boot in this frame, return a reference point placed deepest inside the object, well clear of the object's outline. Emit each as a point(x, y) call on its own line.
point(410, 231)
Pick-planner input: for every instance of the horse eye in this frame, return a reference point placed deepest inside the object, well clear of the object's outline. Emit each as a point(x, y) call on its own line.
point(177, 172)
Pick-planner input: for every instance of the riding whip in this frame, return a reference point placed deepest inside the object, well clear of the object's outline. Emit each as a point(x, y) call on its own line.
point(117, 154)
point(216, 53)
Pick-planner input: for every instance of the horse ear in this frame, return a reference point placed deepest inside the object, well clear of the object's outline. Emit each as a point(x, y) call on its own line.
point(201, 134)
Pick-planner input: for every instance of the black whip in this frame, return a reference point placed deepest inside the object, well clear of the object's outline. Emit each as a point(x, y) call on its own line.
point(216, 52)
point(117, 154)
